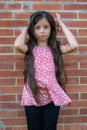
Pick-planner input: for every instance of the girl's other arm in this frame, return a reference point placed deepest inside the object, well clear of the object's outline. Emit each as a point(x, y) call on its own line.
point(20, 41)
point(72, 43)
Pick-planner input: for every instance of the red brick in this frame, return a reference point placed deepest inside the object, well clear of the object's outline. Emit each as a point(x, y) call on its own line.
point(64, 15)
point(76, 24)
point(75, 6)
point(60, 127)
point(5, 0)
point(60, 119)
point(22, 15)
point(2, 129)
point(13, 23)
point(84, 127)
point(7, 98)
point(16, 121)
point(83, 80)
point(82, 40)
point(14, 6)
point(7, 81)
point(20, 81)
point(83, 32)
point(46, 7)
point(73, 96)
point(11, 90)
point(26, 0)
point(72, 127)
point(19, 95)
point(8, 128)
point(66, 112)
point(6, 66)
point(76, 119)
point(11, 106)
point(72, 81)
point(68, 61)
point(2, 6)
point(68, 15)
point(83, 96)
point(11, 73)
point(76, 72)
point(17, 128)
point(83, 111)
point(7, 114)
point(67, 127)
point(5, 15)
point(82, 15)
point(83, 64)
point(20, 65)
point(78, 88)
point(81, 1)
point(6, 49)
point(60, 0)
point(20, 113)
point(75, 58)
point(7, 40)
point(11, 58)
point(79, 104)
point(70, 65)
point(6, 32)
point(24, 128)
point(17, 32)
point(83, 48)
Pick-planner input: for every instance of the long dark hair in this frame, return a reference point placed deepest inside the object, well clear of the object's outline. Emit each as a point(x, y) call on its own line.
point(29, 70)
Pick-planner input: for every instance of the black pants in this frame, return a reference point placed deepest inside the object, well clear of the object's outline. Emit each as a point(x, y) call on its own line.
point(43, 117)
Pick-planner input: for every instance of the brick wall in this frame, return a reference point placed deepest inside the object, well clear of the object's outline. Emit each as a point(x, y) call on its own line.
point(14, 14)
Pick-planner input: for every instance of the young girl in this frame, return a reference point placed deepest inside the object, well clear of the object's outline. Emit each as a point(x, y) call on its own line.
point(43, 92)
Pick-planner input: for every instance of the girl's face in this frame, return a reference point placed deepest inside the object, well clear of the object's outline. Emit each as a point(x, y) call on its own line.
point(42, 31)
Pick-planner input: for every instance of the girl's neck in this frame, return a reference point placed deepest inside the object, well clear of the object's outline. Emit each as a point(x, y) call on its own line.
point(42, 44)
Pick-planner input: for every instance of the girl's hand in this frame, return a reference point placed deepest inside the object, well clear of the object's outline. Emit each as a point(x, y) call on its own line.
point(58, 17)
point(59, 20)
point(24, 30)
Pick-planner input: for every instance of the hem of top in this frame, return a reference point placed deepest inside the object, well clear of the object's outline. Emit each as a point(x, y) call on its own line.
point(47, 103)
point(36, 104)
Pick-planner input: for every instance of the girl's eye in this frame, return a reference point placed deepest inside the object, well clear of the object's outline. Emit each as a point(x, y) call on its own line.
point(46, 26)
point(37, 27)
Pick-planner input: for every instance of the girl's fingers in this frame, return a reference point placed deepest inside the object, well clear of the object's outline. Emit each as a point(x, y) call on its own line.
point(58, 16)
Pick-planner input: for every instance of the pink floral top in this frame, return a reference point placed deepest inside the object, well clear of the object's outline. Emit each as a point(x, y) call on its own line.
point(46, 79)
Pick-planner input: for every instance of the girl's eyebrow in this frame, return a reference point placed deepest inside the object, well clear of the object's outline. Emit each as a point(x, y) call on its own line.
point(40, 25)
point(46, 25)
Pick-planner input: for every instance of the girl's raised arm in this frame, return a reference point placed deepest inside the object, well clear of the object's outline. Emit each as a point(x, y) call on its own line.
point(20, 41)
point(72, 43)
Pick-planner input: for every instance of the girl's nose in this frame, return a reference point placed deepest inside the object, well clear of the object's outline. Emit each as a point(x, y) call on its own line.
point(41, 30)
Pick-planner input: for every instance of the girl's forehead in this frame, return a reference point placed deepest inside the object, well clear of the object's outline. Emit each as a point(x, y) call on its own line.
point(42, 21)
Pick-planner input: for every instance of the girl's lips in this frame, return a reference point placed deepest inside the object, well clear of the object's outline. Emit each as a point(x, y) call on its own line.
point(41, 36)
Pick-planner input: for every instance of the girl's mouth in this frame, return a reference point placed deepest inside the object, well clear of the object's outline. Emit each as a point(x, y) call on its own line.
point(41, 36)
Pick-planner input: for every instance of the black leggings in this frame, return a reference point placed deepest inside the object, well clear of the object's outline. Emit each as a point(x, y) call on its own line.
point(42, 117)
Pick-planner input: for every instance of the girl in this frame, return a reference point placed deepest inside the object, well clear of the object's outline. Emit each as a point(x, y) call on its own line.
point(43, 92)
